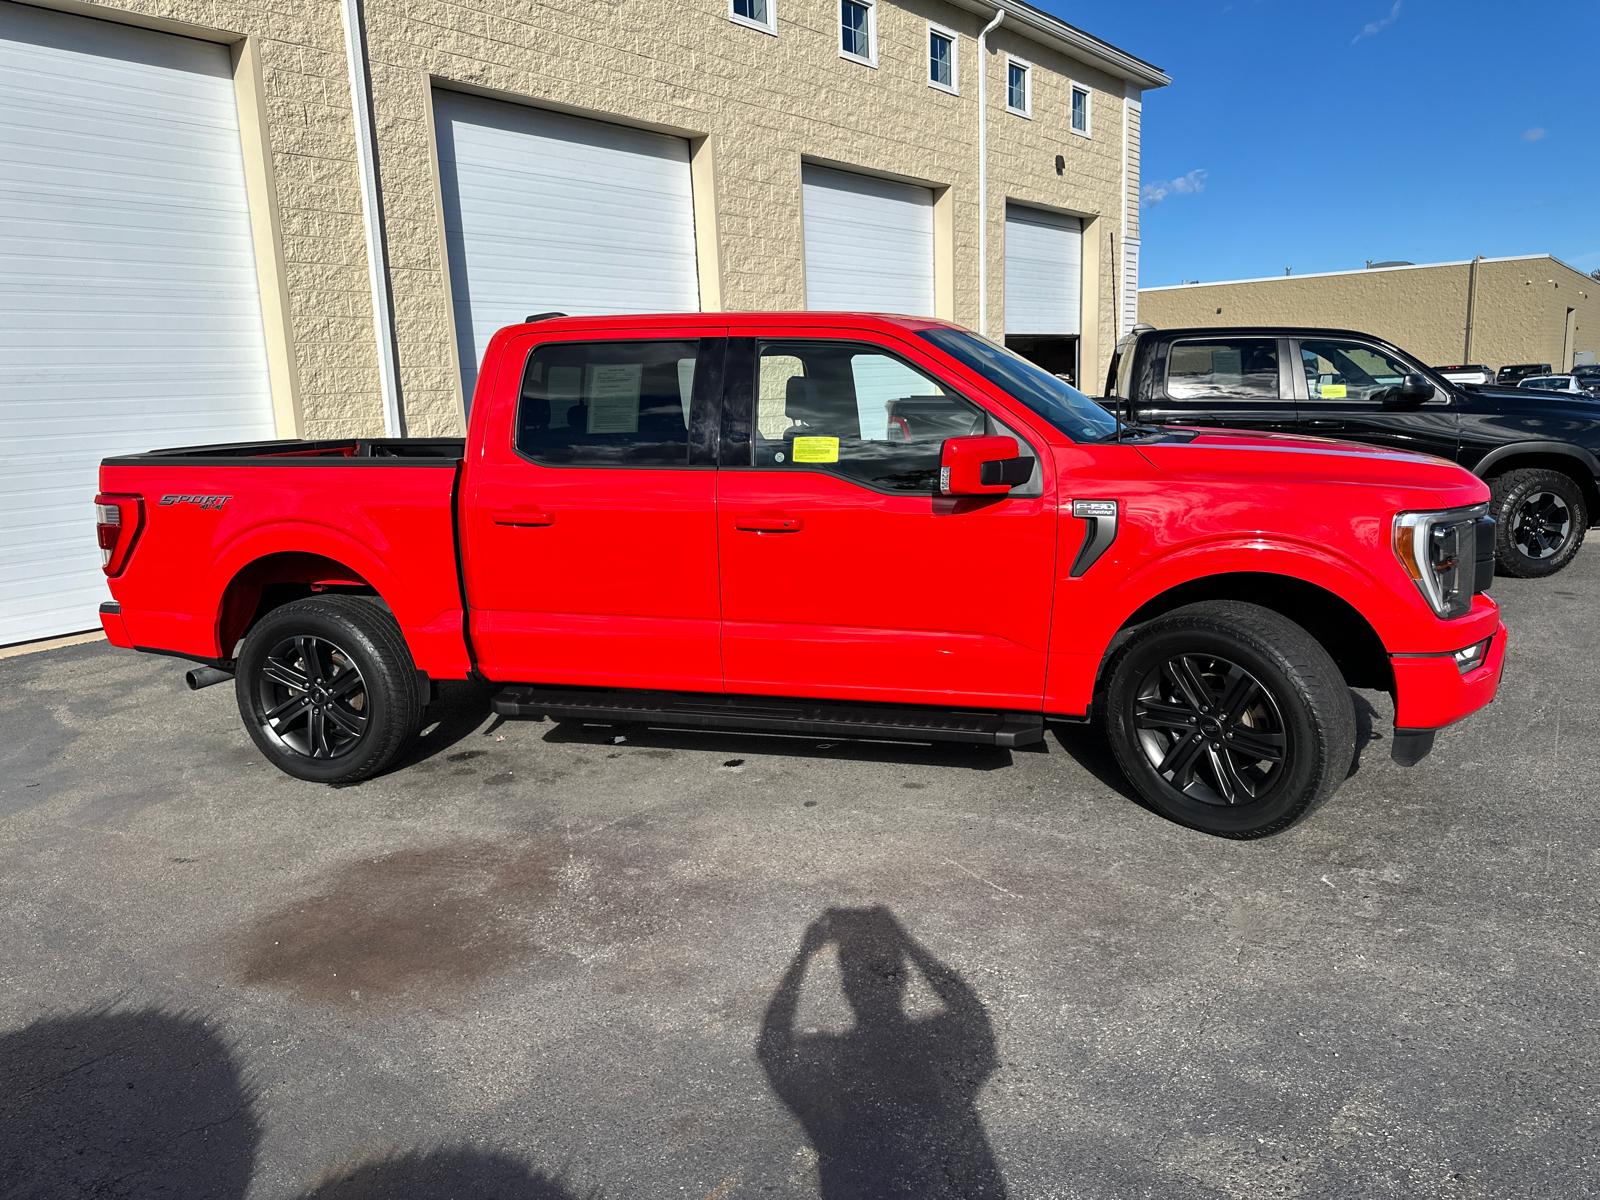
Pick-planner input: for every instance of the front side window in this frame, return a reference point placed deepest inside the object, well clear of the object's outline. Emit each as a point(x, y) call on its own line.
point(1224, 369)
point(753, 12)
point(1350, 371)
point(1019, 88)
point(1080, 110)
point(941, 58)
point(855, 410)
point(1055, 400)
point(855, 31)
point(607, 404)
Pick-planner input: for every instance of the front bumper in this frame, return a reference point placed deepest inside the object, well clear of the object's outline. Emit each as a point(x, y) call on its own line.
point(1430, 692)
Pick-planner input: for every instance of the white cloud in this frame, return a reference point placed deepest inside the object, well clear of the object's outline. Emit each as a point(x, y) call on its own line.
point(1536, 135)
point(1373, 27)
point(1184, 185)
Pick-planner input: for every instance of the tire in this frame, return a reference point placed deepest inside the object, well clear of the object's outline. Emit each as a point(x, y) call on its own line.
point(1541, 517)
point(367, 708)
point(1229, 718)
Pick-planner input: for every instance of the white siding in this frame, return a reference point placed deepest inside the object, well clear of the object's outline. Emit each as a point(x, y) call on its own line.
point(868, 243)
point(1130, 287)
point(546, 212)
point(1044, 272)
point(129, 312)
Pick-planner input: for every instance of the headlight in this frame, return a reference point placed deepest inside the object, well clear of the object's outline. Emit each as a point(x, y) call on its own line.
point(1439, 550)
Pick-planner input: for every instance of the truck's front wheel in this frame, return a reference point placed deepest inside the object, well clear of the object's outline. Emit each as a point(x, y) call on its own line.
point(1229, 717)
point(327, 688)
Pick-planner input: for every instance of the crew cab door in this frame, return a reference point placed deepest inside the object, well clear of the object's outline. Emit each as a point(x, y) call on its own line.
point(1351, 389)
point(843, 574)
point(589, 531)
point(1229, 380)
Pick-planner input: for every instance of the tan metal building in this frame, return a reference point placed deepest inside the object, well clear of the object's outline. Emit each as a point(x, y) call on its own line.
point(1494, 311)
point(228, 219)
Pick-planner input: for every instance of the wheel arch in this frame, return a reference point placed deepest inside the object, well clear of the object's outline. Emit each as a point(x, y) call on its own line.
point(277, 578)
point(1573, 461)
point(1336, 624)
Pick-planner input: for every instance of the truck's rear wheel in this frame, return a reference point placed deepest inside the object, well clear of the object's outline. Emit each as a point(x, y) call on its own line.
point(1540, 519)
point(1230, 718)
point(327, 688)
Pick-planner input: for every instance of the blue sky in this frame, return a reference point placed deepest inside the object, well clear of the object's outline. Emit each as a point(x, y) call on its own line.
point(1316, 134)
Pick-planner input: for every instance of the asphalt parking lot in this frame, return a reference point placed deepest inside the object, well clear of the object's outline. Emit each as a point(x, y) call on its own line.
point(554, 962)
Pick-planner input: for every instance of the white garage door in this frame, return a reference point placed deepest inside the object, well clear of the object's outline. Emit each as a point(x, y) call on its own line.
point(549, 213)
point(129, 315)
point(1044, 272)
point(869, 243)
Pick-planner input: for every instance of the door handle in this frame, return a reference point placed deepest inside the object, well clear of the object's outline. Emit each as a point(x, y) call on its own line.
point(1324, 424)
point(523, 516)
point(767, 523)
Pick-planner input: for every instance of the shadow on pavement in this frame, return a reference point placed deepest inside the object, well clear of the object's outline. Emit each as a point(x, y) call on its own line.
point(889, 1105)
point(454, 1174)
point(461, 708)
point(136, 1103)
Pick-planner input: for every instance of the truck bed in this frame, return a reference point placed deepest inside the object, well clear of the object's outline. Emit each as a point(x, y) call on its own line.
point(353, 452)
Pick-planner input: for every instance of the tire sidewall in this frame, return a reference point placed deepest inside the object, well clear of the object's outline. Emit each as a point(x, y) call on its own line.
point(1518, 486)
point(1304, 751)
point(316, 620)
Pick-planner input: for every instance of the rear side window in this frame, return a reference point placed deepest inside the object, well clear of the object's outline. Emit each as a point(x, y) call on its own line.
point(607, 404)
point(1232, 369)
point(857, 411)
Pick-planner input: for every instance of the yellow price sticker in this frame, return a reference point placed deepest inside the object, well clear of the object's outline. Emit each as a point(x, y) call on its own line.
point(1333, 391)
point(816, 449)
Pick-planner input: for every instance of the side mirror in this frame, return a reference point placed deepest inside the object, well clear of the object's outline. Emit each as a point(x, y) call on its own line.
point(1416, 389)
point(981, 466)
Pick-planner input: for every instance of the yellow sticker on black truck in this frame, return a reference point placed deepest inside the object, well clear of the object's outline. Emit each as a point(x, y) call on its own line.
point(816, 449)
point(1333, 391)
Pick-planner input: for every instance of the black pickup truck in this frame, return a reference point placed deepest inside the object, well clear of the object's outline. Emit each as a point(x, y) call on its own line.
point(1539, 452)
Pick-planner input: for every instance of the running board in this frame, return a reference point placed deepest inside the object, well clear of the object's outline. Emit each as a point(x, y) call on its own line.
point(774, 714)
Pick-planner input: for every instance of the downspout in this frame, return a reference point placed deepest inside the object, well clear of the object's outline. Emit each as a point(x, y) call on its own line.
point(355, 46)
point(983, 170)
point(1472, 300)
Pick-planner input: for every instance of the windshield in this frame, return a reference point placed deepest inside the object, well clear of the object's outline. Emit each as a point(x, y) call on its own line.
point(1057, 401)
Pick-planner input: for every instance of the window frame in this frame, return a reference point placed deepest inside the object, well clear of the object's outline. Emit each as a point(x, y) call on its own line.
point(953, 88)
point(701, 435)
point(771, 25)
point(872, 32)
point(1087, 92)
point(1281, 347)
point(1026, 111)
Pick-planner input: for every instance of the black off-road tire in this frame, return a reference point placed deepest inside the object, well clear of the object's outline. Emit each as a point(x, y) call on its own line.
point(1540, 519)
point(1198, 702)
point(327, 688)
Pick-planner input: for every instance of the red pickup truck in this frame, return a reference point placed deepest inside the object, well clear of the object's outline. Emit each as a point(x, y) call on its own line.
point(829, 524)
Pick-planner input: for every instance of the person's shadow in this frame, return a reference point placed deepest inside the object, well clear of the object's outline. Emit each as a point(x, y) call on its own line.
point(890, 1105)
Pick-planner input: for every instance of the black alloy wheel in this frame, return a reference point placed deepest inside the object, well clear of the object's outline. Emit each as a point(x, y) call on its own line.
point(1541, 525)
point(1228, 717)
point(1210, 729)
point(313, 697)
point(327, 688)
point(1541, 518)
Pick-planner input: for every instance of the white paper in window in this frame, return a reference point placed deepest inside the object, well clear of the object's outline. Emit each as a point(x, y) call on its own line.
point(614, 397)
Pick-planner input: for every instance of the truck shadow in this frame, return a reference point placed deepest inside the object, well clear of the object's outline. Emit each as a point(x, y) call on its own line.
point(460, 709)
point(449, 1174)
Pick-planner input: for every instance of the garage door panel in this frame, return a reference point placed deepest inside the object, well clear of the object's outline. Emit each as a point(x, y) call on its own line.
point(550, 212)
point(1044, 272)
point(868, 243)
point(129, 311)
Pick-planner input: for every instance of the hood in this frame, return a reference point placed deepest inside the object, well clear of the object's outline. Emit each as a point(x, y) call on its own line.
point(1228, 454)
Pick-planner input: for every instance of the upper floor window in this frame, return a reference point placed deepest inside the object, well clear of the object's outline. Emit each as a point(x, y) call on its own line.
point(858, 35)
point(1080, 110)
point(942, 59)
point(758, 14)
point(1019, 87)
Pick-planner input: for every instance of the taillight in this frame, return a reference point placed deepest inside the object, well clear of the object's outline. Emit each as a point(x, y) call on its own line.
point(118, 520)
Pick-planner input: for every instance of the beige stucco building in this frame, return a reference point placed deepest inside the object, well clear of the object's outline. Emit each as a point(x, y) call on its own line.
point(1493, 311)
point(233, 219)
